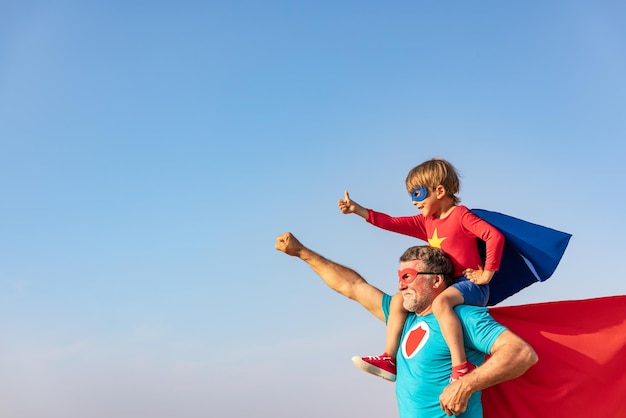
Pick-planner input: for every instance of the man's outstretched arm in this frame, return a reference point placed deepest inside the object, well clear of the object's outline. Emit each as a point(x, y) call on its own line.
point(339, 278)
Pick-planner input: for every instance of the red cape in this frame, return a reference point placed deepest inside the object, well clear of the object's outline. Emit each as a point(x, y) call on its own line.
point(581, 371)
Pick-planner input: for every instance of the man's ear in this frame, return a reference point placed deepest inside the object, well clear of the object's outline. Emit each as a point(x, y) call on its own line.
point(439, 281)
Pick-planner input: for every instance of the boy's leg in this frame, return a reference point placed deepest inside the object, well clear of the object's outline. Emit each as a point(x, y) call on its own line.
point(451, 329)
point(395, 324)
point(385, 365)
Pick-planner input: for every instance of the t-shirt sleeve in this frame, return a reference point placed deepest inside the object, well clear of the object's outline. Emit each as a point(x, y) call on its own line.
point(385, 305)
point(480, 330)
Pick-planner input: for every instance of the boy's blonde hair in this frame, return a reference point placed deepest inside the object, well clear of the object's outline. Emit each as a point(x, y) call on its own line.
point(433, 173)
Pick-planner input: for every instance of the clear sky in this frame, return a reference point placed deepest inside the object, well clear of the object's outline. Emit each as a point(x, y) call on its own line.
point(150, 153)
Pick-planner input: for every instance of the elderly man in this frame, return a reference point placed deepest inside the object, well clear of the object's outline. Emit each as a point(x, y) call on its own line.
point(422, 386)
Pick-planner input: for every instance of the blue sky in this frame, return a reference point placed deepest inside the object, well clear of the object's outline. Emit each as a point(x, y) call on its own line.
point(150, 153)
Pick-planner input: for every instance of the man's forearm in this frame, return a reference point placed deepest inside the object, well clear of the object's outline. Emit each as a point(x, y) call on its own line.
point(510, 358)
point(339, 278)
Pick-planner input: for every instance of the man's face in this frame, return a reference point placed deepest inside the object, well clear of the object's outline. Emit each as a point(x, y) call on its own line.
point(416, 287)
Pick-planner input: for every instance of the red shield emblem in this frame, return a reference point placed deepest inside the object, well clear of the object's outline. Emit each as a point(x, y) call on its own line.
point(415, 339)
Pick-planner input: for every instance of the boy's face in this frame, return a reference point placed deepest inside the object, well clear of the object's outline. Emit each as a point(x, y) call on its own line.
point(425, 200)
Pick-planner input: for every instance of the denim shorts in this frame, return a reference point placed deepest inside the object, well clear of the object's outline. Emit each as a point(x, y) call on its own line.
point(473, 294)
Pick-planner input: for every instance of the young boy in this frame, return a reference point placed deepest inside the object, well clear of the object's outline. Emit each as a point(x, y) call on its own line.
point(444, 224)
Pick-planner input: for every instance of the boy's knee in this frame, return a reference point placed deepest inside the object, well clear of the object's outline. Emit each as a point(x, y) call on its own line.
point(441, 305)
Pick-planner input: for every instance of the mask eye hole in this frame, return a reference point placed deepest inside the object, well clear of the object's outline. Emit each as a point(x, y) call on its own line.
point(419, 194)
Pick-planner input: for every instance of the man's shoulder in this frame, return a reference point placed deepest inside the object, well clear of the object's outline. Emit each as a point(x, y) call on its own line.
point(478, 319)
point(470, 309)
point(471, 312)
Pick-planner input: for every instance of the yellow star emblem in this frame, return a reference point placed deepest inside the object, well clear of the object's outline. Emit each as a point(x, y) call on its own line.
point(435, 241)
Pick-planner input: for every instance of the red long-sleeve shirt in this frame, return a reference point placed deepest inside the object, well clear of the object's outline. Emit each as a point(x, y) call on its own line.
point(455, 234)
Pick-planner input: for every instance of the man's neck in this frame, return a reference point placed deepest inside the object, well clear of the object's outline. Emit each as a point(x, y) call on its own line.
point(425, 312)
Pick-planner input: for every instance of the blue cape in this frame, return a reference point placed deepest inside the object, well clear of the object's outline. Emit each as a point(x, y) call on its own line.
point(531, 254)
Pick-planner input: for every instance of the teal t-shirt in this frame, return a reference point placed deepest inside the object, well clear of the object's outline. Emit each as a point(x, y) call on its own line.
point(424, 364)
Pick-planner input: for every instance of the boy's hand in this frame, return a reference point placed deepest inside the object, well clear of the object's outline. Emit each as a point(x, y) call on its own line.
point(478, 276)
point(346, 205)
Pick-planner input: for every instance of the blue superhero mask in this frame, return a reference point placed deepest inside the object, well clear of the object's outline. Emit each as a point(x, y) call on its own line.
point(419, 194)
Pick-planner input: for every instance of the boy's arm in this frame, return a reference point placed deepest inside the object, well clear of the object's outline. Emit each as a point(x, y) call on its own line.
point(494, 245)
point(339, 278)
point(412, 226)
point(346, 205)
point(406, 225)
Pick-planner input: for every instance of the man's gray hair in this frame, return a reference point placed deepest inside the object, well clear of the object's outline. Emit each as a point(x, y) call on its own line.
point(433, 259)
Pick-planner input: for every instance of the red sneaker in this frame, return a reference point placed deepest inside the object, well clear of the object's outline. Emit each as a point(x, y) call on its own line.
point(461, 370)
point(382, 366)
